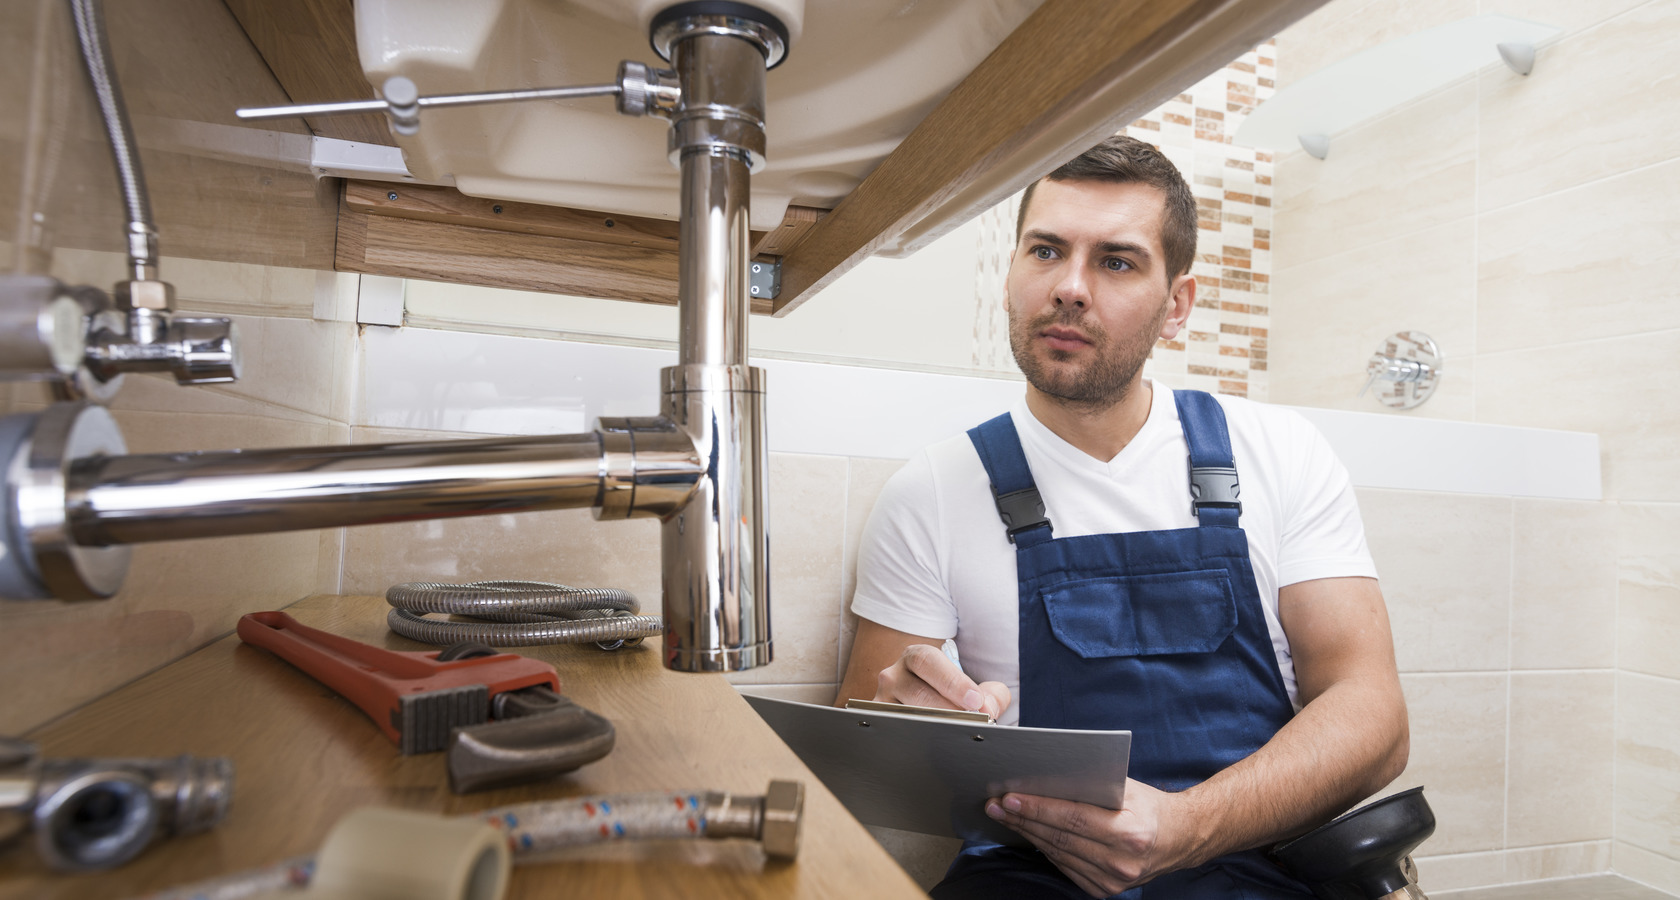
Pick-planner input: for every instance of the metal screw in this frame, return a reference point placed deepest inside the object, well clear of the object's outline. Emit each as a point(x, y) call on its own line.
point(755, 290)
point(497, 209)
point(391, 196)
point(610, 223)
point(757, 268)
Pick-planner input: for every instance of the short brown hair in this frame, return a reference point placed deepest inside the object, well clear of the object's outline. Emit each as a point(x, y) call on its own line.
point(1125, 160)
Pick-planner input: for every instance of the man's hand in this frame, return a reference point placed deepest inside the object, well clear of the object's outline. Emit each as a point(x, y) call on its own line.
point(1103, 851)
point(925, 676)
point(905, 668)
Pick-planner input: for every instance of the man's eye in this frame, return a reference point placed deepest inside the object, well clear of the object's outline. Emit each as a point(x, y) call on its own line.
point(1043, 253)
point(1116, 264)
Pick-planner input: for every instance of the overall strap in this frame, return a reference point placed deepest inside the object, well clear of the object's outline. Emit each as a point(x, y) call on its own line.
point(1214, 491)
point(1013, 489)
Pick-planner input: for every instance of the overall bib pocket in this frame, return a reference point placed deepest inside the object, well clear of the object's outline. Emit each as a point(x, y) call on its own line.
point(1143, 615)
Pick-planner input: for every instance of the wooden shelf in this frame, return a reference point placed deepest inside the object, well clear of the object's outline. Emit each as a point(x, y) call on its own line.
point(305, 757)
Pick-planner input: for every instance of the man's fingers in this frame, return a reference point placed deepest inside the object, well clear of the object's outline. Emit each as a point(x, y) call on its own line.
point(1049, 822)
point(934, 668)
point(998, 693)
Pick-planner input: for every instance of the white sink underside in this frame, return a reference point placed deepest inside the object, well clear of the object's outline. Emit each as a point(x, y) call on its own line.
point(856, 81)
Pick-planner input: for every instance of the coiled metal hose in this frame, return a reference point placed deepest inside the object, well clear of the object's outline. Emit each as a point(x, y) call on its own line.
point(141, 239)
point(519, 614)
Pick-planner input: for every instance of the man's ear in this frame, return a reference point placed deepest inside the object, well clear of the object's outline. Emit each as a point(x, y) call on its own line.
point(1182, 299)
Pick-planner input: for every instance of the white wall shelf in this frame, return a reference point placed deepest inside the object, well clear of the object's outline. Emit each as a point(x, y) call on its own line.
point(1363, 86)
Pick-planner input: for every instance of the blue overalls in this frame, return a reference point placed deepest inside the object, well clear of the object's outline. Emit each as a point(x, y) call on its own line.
point(1158, 632)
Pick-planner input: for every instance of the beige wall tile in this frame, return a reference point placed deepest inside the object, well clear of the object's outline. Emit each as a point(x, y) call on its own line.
point(1622, 389)
point(1460, 871)
point(220, 288)
point(1648, 565)
point(1456, 871)
point(1557, 861)
point(1639, 864)
point(1589, 92)
point(1445, 565)
point(1559, 787)
point(177, 596)
point(1341, 29)
point(292, 368)
point(1648, 763)
point(1570, 15)
point(1585, 263)
point(1563, 588)
point(1458, 755)
point(1329, 315)
point(1412, 169)
point(566, 546)
point(865, 479)
point(807, 530)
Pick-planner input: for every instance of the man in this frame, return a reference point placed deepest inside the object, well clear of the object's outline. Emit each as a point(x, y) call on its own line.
point(1238, 633)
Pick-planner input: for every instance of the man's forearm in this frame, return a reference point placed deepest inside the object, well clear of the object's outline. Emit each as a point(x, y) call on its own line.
point(1346, 744)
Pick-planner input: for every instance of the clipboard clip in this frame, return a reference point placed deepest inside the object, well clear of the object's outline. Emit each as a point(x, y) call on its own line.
point(928, 712)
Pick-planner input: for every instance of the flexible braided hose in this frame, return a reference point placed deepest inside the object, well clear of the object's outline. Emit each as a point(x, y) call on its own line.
point(519, 614)
point(535, 828)
point(532, 829)
point(91, 37)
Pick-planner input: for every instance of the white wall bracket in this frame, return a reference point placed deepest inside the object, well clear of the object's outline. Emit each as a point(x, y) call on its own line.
point(1519, 56)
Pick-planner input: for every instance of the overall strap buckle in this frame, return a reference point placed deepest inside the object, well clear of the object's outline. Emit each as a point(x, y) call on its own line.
point(1214, 487)
point(1021, 510)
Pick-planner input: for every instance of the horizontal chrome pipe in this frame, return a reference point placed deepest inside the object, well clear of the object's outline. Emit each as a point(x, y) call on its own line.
point(171, 496)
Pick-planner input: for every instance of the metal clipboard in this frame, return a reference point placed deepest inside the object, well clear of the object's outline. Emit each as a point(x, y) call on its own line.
point(933, 775)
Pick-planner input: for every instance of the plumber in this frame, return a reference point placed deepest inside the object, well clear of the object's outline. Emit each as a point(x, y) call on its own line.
point(1225, 610)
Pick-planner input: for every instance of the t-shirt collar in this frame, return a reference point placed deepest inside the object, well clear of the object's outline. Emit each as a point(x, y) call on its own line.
point(1035, 434)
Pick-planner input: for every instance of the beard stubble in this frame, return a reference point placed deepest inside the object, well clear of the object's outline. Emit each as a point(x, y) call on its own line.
point(1105, 381)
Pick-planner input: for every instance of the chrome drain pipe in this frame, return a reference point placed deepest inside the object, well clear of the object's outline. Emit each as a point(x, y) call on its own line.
point(715, 548)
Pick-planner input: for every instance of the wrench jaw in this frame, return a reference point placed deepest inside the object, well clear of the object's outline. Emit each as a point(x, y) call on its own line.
point(527, 748)
point(424, 721)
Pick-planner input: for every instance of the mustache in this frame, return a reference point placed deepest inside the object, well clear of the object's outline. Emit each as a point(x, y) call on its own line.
point(1064, 317)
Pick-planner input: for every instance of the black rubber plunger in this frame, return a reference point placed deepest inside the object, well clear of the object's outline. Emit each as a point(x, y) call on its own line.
point(1358, 855)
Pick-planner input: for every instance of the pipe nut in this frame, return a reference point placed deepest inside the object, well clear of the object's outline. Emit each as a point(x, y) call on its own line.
point(145, 294)
point(784, 815)
point(646, 91)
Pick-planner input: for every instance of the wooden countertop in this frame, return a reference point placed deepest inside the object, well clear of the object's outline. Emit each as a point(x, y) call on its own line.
point(304, 757)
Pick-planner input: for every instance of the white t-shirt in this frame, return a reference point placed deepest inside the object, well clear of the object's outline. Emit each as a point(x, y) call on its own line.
point(935, 560)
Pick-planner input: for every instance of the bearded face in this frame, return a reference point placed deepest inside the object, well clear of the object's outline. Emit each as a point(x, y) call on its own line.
point(1097, 376)
point(1088, 290)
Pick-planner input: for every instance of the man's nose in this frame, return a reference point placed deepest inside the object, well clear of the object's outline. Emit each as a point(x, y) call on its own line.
point(1073, 288)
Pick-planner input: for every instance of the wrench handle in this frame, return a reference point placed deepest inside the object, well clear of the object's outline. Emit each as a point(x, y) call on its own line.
point(359, 672)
